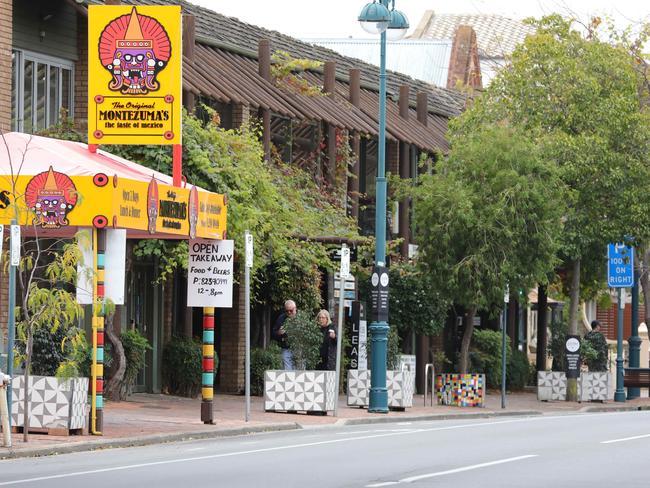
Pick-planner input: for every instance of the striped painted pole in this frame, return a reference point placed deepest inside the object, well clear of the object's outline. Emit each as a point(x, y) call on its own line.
point(207, 392)
point(97, 407)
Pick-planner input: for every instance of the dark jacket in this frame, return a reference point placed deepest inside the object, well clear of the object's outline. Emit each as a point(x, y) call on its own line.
point(327, 350)
point(275, 331)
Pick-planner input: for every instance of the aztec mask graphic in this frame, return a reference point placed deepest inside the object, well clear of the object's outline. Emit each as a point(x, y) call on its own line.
point(134, 49)
point(51, 196)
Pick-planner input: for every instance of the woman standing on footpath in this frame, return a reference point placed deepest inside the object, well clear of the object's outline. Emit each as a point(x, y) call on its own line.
point(328, 346)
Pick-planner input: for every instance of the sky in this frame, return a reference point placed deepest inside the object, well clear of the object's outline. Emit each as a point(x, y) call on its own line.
point(338, 18)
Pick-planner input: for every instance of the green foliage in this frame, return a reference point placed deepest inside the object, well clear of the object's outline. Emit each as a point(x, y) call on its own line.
point(182, 366)
point(64, 129)
point(587, 353)
point(135, 349)
point(275, 201)
point(518, 371)
point(414, 305)
point(441, 363)
point(171, 255)
point(486, 355)
point(489, 216)
point(559, 330)
point(263, 360)
point(49, 311)
point(49, 351)
point(285, 71)
point(580, 101)
point(80, 358)
point(304, 339)
point(593, 350)
point(288, 278)
point(392, 349)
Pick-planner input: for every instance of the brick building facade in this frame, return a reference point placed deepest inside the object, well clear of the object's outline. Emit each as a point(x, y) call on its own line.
point(6, 43)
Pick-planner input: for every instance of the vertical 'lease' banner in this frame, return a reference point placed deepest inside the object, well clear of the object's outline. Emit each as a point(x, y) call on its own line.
point(134, 74)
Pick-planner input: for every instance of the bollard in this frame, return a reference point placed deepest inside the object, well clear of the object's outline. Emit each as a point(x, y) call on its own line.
point(4, 410)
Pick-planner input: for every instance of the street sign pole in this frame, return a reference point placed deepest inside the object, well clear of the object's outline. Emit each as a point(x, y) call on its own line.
point(620, 274)
point(247, 317)
point(635, 341)
point(343, 274)
point(506, 300)
point(619, 396)
point(14, 247)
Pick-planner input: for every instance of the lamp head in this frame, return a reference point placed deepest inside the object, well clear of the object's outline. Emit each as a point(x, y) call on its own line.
point(398, 25)
point(374, 18)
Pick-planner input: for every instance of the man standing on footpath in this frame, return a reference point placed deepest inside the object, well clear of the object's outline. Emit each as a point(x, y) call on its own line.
point(280, 335)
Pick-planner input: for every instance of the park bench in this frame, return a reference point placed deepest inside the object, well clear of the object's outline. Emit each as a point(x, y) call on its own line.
point(637, 377)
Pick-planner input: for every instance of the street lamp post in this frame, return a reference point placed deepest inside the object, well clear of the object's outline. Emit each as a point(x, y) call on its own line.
point(376, 18)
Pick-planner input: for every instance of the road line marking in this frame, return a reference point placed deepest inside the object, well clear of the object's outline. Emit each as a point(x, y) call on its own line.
point(374, 431)
point(626, 439)
point(412, 479)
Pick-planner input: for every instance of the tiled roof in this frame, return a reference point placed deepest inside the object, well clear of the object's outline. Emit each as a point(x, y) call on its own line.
point(243, 36)
point(496, 35)
point(423, 60)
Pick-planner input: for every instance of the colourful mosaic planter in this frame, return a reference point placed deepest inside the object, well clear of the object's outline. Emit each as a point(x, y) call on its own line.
point(461, 390)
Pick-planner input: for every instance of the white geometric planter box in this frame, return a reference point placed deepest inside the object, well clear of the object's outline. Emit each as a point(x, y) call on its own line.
point(309, 391)
point(400, 386)
point(592, 386)
point(53, 403)
point(551, 386)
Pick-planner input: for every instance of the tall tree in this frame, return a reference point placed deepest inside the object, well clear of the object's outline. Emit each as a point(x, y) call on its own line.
point(488, 217)
point(577, 97)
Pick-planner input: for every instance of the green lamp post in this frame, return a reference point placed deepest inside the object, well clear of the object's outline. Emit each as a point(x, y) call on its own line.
point(377, 18)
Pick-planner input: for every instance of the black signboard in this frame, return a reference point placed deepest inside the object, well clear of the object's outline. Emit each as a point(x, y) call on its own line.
point(379, 294)
point(572, 353)
point(352, 325)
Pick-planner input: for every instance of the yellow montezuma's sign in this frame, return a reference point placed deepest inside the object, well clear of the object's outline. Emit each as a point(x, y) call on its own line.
point(134, 74)
point(52, 200)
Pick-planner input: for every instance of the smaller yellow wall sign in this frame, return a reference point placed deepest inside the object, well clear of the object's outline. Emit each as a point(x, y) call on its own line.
point(53, 200)
point(134, 74)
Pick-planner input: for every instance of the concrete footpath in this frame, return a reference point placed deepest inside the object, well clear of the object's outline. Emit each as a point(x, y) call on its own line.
point(150, 419)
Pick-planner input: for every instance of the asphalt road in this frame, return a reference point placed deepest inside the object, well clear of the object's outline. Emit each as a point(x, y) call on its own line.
point(584, 450)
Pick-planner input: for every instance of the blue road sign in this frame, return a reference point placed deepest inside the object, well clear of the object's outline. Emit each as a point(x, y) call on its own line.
point(620, 266)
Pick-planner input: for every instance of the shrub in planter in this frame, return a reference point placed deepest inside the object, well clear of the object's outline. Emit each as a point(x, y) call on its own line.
point(261, 361)
point(182, 366)
point(559, 331)
point(518, 371)
point(594, 351)
point(304, 337)
point(80, 358)
point(49, 350)
point(486, 355)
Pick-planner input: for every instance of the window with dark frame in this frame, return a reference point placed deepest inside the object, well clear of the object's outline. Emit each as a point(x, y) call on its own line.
point(41, 87)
